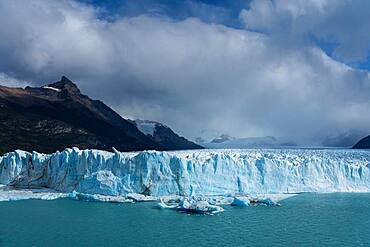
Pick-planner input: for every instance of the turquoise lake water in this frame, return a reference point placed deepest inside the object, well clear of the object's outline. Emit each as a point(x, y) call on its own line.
point(305, 220)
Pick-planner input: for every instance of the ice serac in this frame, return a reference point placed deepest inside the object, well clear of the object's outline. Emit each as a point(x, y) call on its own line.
point(188, 173)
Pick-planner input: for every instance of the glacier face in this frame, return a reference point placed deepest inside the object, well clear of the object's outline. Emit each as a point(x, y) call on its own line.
point(200, 172)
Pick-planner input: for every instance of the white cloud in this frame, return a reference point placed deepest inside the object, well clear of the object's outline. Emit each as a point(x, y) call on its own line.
point(6, 80)
point(345, 23)
point(190, 74)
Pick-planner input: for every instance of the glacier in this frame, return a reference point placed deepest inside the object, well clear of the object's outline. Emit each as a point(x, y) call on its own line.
point(188, 173)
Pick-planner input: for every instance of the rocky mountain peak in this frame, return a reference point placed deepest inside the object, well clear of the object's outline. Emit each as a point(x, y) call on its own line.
point(66, 85)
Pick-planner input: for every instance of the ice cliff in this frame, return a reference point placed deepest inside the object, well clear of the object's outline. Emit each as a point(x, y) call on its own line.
point(204, 172)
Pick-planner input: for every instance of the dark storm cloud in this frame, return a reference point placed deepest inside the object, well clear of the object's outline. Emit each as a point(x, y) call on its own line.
point(192, 74)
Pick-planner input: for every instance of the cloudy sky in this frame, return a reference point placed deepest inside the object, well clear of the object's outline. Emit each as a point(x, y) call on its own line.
point(295, 68)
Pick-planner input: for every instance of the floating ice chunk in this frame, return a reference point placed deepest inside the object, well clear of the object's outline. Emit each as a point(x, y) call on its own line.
point(9, 194)
point(240, 202)
point(141, 198)
point(267, 202)
point(199, 207)
point(98, 198)
point(163, 205)
point(275, 197)
point(184, 204)
point(171, 199)
point(220, 200)
point(192, 206)
point(49, 196)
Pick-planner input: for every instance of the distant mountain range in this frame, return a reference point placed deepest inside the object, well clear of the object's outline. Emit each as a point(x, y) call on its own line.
point(344, 139)
point(223, 138)
point(57, 116)
point(227, 141)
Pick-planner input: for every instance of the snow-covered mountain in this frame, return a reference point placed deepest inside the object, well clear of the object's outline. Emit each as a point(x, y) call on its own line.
point(336, 138)
point(206, 135)
point(226, 141)
point(197, 172)
point(164, 136)
point(223, 138)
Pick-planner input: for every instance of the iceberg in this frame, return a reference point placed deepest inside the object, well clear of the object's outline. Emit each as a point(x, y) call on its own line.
point(266, 202)
point(192, 206)
point(240, 202)
point(141, 176)
point(9, 194)
point(98, 198)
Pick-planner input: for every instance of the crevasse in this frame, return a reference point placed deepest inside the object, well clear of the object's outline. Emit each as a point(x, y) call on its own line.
point(204, 172)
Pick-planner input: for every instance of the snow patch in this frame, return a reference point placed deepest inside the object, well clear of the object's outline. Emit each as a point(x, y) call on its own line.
point(51, 88)
point(145, 126)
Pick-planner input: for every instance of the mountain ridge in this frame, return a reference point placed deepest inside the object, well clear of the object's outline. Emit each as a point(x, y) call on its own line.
point(364, 143)
point(164, 135)
point(57, 116)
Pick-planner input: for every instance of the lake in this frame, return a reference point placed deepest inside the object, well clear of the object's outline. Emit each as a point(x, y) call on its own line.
point(339, 219)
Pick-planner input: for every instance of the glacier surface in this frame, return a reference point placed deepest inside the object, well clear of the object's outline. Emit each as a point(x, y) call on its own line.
point(188, 173)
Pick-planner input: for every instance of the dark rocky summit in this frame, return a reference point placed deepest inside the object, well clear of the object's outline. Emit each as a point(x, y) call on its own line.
point(57, 116)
